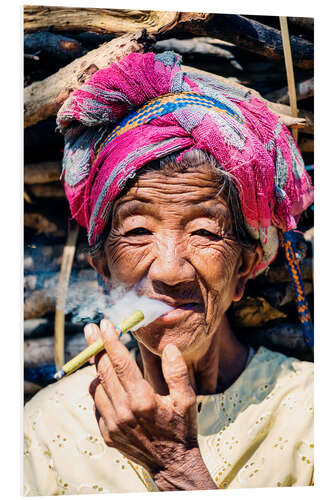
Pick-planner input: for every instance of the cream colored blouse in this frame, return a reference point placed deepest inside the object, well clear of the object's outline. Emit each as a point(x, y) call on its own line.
point(258, 433)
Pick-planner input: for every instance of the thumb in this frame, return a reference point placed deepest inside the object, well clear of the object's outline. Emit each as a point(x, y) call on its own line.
point(178, 379)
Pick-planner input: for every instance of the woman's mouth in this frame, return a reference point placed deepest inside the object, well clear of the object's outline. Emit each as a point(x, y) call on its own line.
point(180, 312)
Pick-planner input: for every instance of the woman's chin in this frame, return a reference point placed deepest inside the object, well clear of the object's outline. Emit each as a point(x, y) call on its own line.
point(186, 330)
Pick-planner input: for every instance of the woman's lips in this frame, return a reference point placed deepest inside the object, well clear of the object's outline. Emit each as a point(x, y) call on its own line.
point(180, 312)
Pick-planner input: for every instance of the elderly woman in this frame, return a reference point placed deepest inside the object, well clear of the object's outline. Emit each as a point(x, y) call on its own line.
point(185, 186)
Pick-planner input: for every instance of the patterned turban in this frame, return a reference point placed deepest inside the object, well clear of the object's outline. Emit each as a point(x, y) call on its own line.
point(145, 107)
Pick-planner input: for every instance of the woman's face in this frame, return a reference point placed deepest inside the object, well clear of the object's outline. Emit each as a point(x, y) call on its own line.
point(171, 237)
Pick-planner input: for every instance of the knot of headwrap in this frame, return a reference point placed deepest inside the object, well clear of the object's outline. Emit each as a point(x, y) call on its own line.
point(145, 107)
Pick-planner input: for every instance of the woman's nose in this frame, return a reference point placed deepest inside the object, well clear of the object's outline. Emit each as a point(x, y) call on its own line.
point(171, 265)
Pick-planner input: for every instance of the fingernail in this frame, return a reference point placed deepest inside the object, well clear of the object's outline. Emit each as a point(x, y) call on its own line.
point(106, 326)
point(171, 352)
point(89, 330)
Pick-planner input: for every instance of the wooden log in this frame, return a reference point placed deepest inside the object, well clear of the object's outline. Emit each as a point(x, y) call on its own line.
point(47, 258)
point(304, 90)
point(303, 23)
point(43, 99)
point(47, 190)
point(41, 224)
point(43, 172)
point(244, 32)
point(40, 96)
point(250, 35)
point(282, 293)
point(38, 304)
point(57, 47)
point(254, 312)
point(197, 46)
point(39, 351)
point(42, 301)
point(112, 21)
point(306, 144)
point(284, 337)
point(44, 327)
point(280, 273)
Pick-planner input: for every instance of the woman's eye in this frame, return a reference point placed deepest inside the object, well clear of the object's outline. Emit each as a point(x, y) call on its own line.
point(137, 231)
point(207, 234)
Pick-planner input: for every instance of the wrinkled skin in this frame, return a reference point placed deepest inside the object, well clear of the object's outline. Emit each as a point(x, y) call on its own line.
point(171, 236)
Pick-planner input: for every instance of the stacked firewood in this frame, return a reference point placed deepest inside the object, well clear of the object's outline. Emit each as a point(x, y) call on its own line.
point(62, 48)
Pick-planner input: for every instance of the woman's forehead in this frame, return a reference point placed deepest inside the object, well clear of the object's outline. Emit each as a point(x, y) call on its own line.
point(200, 183)
point(193, 192)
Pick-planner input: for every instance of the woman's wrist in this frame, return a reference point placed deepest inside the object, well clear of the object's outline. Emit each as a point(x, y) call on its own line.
point(188, 473)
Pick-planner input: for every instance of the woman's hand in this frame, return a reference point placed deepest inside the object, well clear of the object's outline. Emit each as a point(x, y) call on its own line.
point(157, 432)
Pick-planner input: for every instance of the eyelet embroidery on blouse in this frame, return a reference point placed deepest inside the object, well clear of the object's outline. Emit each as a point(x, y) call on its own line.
point(33, 417)
point(261, 427)
point(305, 452)
point(57, 397)
point(280, 443)
point(91, 446)
point(224, 450)
point(250, 470)
point(85, 403)
point(59, 440)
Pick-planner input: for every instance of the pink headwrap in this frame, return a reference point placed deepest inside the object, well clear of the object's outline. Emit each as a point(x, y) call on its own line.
point(105, 145)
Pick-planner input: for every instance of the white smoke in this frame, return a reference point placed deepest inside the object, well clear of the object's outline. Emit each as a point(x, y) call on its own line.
point(87, 303)
point(130, 302)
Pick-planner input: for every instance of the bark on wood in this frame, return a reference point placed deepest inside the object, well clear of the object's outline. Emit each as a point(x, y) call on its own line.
point(197, 46)
point(249, 35)
point(245, 33)
point(112, 21)
point(304, 90)
point(44, 99)
point(38, 173)
point(51, 45)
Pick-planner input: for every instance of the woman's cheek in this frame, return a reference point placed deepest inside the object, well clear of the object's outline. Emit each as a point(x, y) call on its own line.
point(127, 262)
point(216, 261)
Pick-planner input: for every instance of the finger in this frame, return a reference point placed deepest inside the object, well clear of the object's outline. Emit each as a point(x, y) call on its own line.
point(103, 404)
point(139, 395)
point(153, 371)
point(123, 363)
point(92, 333)
point(110, 382)
point(177, 377)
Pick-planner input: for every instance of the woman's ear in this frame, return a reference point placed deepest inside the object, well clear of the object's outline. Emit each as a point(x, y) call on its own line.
point(99, 262)
point(248, 262)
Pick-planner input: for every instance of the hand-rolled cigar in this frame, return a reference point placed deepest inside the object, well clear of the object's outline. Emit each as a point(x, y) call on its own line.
point(97, 346)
